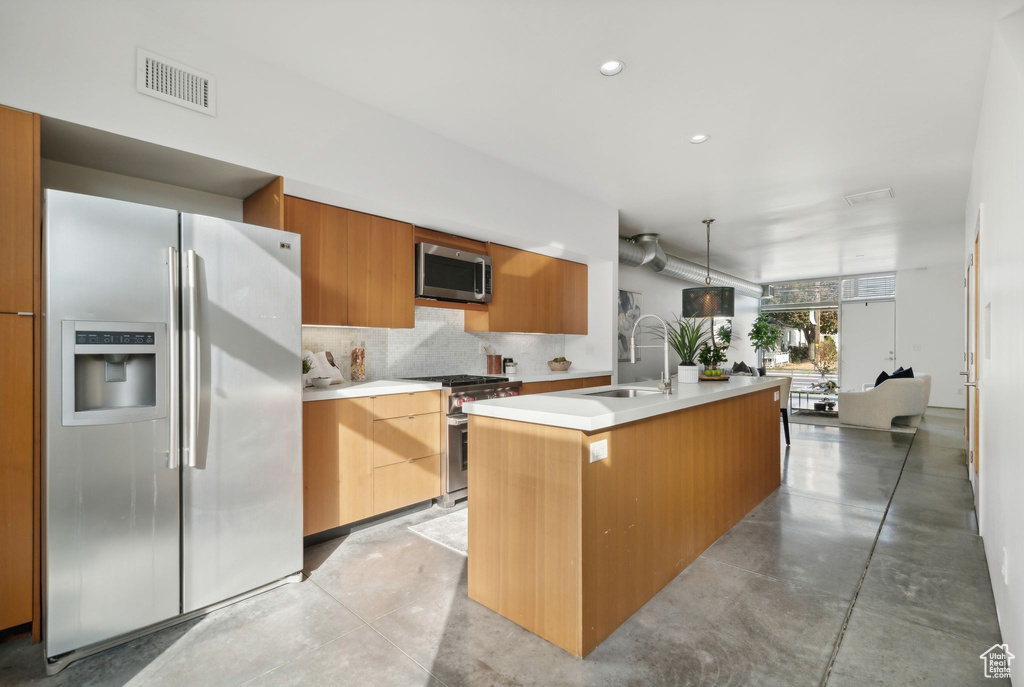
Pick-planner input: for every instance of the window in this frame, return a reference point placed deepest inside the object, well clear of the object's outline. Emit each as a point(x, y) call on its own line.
point(875, 287)
point(807, 294)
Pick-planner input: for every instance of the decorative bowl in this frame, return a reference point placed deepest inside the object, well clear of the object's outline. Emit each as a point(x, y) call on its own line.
point(559, 367)
point(321, 382)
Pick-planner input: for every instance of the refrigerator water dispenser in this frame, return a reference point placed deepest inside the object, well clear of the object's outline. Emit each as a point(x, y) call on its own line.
point(113, 372)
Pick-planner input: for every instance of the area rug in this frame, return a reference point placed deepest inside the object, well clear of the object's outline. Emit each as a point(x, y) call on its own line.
point(450, 531)
point(801, 418)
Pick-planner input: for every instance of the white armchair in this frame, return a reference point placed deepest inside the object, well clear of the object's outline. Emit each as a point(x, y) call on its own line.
point(901, 400)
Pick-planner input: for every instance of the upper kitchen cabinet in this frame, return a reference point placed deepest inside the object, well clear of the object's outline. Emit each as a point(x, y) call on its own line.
point(381, 272)
point(533, 293)
point(357, 269)
point(324, 231)
point(19, 203)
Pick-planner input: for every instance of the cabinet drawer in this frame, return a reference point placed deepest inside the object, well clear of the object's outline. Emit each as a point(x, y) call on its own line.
point(395, 405)
point(405, 483)
point(399, 439)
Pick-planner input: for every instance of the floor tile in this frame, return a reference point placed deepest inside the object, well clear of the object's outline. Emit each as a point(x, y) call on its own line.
point(246, 639)
point(374, 575)
point(853, 485)
point(878, 649)
point(935, 500)
point(829, 561)
point(951, 599)
point(935, 460)
point(792, 510)
point(360, 658)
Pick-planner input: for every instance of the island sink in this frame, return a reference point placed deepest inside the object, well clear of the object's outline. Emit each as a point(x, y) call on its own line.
point(624, 393)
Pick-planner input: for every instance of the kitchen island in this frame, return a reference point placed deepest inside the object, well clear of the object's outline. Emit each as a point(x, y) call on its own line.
point(584, 506)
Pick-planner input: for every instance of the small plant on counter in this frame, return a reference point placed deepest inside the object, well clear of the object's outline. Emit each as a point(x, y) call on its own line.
point(307, 365)
point(711, 356)
point(686, 338)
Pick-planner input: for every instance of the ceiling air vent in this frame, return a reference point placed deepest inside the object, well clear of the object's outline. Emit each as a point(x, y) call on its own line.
point(174, 82)
point(869, 197)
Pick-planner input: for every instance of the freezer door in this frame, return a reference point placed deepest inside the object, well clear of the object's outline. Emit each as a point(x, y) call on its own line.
point(241, 408)
point(110, 488)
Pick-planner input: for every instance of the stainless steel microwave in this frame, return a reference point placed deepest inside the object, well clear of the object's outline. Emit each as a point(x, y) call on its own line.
point(450, 274)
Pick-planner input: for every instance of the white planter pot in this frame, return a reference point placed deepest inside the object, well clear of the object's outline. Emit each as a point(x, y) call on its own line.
point(688, 374)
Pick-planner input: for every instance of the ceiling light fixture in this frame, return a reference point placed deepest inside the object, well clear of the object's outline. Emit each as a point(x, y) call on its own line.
point(699, 138)
point(612, 67)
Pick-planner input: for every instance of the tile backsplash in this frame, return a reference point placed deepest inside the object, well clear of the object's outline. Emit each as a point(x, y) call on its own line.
point(437, 345)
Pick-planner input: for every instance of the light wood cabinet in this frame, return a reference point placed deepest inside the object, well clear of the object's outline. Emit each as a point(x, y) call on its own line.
point(404, 438)
point(405, 483)
point(563, 385)
point(574, 297)
point(16, 467)
point(357, 270)
point(19, 203)
point(324, 231)
point(367, 456)
point(381, 272)
point(337, 462)
point(533, 293)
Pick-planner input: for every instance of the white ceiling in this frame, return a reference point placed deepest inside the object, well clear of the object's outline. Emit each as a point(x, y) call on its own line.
point(805, 101)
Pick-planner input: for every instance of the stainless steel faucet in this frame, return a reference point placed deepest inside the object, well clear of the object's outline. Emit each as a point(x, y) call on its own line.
point(666, 375)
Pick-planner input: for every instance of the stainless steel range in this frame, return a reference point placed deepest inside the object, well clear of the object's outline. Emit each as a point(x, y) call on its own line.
point(459, 389)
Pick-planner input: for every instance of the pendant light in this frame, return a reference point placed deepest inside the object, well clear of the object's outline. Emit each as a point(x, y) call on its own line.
point(708, 300)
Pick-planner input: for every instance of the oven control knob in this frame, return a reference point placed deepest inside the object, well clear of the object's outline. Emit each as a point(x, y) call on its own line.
point(458, 402)
point(469, 398)
point(513, 393)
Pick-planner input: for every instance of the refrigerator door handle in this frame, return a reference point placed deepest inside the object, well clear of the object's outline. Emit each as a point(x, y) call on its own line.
point(172, 348)
point(192, 361)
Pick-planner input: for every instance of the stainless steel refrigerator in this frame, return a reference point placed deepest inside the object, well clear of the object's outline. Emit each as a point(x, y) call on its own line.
point(173, 418)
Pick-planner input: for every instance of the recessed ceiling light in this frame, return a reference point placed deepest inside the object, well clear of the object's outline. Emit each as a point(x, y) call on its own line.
point(612, 67)
point(699, 138)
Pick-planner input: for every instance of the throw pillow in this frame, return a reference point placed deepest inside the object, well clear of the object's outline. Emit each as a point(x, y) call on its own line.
point(903, 374)
point(881, 378)
point(740, 367)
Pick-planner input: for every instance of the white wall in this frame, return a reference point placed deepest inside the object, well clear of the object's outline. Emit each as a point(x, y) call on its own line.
point(65, 177)
point(996, 183)
point(76, 62)
point(930, 328)
point(663, 296)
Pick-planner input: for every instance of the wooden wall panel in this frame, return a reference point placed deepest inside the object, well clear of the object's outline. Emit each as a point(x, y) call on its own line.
point(19, 200)
point(266, 206)
point(17, 440)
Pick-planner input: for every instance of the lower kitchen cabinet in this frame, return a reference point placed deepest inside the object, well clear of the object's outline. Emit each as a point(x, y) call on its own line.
point(563, 385)
point(366, 456)
point(16, 446)
point(405, 483)
point(337, 462)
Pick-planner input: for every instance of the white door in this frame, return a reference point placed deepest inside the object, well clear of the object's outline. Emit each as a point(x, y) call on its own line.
point(868, 332)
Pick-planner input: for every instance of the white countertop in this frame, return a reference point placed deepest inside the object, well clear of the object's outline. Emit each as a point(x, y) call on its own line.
point(549, 376)
point(380, 387)
point(576, 410)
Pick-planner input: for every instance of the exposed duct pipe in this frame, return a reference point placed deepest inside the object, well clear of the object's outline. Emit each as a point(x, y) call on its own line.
point(644, 249)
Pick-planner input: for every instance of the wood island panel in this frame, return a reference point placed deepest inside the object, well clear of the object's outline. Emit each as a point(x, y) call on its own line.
point(609, 535)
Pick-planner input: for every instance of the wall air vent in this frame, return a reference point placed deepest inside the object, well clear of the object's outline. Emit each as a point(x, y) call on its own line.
point(869, 197)
point(174, 82)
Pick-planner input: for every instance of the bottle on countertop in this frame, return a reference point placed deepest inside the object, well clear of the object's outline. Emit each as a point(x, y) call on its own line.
point(509, 366)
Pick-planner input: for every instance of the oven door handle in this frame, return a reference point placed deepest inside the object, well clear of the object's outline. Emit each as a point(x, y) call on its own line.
point(457, 421)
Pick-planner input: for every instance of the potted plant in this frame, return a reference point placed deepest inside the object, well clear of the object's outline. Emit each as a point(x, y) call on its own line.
point(711, 356)
point(766, 336)
point(687, 338)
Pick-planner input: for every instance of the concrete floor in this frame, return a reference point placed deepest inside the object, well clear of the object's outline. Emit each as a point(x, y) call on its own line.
point(871, 532)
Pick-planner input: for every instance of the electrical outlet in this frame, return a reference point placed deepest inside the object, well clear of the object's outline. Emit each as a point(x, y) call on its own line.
point(1004, 568)
point(917, 347)
point(598, 450)
point(776, 395)
point(959, 391)
point(591, 350)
